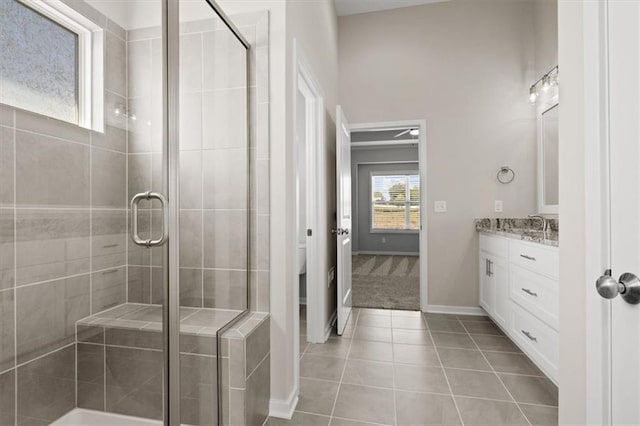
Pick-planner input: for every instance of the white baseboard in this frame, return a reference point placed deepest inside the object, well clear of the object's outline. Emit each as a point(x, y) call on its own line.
point(386, 253)
point(456, 310)
point(284, 408)
point(329, 326)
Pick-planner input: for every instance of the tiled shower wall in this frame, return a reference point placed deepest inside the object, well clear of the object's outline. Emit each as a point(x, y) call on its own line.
point(63, 220)
point(215, 164)
point(62, 242)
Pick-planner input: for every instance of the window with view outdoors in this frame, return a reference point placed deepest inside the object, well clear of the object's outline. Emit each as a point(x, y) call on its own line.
point(39, 66)
point(395, 202)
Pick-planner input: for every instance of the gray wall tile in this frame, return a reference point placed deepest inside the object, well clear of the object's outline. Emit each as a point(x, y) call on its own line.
point(108, 238)
point(191, 287)
point(257, 345)
point(139, 68)
point(7, 254)
point(6, 166)
point(51, 172)
point(225, 179)
point(139, 289)
point(225, 289)
point(51, 244)
point(108, 289)
point(114, 108)
point(7, 398)
point(6, 115)
point(37, 123)
point(191, 239)
point(113, 138)
point(191, 63)
point(108, 179)
point(198, 389)
point(191, 179)
point(225, 61)
point(46, 315)
point(90, 378)
point(225, 239)
point(46, 386)
point(134, 382)
point(7, 330)
point(191, 121)
point(226, 126)
point(139, 175)
point(142, 339)
point(140, 130)
point(257, 394)
point(115, 64)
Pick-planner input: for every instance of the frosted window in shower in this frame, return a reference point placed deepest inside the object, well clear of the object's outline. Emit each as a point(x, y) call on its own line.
point(39, 63)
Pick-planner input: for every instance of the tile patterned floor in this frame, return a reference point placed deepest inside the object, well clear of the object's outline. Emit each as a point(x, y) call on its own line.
point(408, 368)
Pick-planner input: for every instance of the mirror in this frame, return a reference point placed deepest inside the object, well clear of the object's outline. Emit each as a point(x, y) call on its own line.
point(548, 186)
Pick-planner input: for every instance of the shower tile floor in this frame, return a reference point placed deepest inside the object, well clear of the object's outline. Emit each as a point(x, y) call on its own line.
point(409, 368)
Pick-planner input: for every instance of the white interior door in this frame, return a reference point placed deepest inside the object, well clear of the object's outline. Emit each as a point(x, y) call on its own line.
point(624, 139)
point(343, 225)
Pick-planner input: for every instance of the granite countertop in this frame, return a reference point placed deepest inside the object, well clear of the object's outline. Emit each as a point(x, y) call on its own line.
point(525, 229)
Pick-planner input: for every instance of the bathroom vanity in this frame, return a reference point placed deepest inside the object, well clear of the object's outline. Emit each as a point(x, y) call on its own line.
point(519, 269)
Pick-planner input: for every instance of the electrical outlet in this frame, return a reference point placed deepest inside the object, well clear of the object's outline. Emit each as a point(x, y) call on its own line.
point(440, 207)
point(498, 206)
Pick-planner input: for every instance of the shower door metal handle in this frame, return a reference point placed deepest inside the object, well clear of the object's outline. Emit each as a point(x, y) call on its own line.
point(149, 195)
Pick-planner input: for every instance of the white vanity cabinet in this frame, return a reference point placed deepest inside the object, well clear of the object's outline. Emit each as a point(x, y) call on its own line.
point(519, 290)
point(494, 278)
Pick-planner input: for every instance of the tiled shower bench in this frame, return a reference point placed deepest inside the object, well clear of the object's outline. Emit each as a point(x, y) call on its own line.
point(120, 364)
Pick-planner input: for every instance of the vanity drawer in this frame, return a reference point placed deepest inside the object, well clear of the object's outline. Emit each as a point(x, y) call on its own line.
point(496, 246)
point(536, 293)
point(535, 257)
point(537, 339)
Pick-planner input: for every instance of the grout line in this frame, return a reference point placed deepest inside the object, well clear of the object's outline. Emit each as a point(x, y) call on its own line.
point(444, 371)
point(496, 374)
point(344, 368)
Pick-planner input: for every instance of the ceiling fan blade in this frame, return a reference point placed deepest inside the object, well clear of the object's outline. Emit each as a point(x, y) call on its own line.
point(404, 132)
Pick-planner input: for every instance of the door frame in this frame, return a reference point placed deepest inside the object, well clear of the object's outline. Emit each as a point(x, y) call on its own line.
point(422, 167)
point(317, 263)
point(596, 214)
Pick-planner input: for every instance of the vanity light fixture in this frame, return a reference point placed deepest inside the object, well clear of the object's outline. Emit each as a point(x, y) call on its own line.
point(533, 94)
point(547, 81)
point(414, 132)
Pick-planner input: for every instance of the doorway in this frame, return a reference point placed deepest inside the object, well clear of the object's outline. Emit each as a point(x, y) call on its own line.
point(388, 186)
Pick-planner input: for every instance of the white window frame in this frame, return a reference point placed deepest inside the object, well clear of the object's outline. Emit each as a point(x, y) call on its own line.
point(407, 218)
point(90, 58)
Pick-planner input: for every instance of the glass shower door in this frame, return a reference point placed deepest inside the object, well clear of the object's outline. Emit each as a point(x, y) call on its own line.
point(213, 210)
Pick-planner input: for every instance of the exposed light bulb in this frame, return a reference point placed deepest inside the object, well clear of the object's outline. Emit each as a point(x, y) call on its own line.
point(414, 132)
point(533, 94)
point(546, 83)
point(133, 117)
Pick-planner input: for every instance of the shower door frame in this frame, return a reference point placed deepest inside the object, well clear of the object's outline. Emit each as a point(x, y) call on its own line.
point(170, 44)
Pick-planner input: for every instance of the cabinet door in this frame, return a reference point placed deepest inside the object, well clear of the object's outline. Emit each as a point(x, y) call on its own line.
point(486, 284)
point(500, 282)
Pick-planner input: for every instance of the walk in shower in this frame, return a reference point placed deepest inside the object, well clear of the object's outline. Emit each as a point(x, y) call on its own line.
point(131, 226)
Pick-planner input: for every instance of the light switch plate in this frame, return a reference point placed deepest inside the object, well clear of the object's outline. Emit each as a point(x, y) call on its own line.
point(440, 207)
point(498, 206)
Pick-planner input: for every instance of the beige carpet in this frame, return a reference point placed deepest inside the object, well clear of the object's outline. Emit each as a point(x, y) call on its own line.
point(388, 282)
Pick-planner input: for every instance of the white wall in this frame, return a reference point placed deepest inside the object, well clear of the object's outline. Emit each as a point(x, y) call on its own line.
point(546, 35)
point(466, 68)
